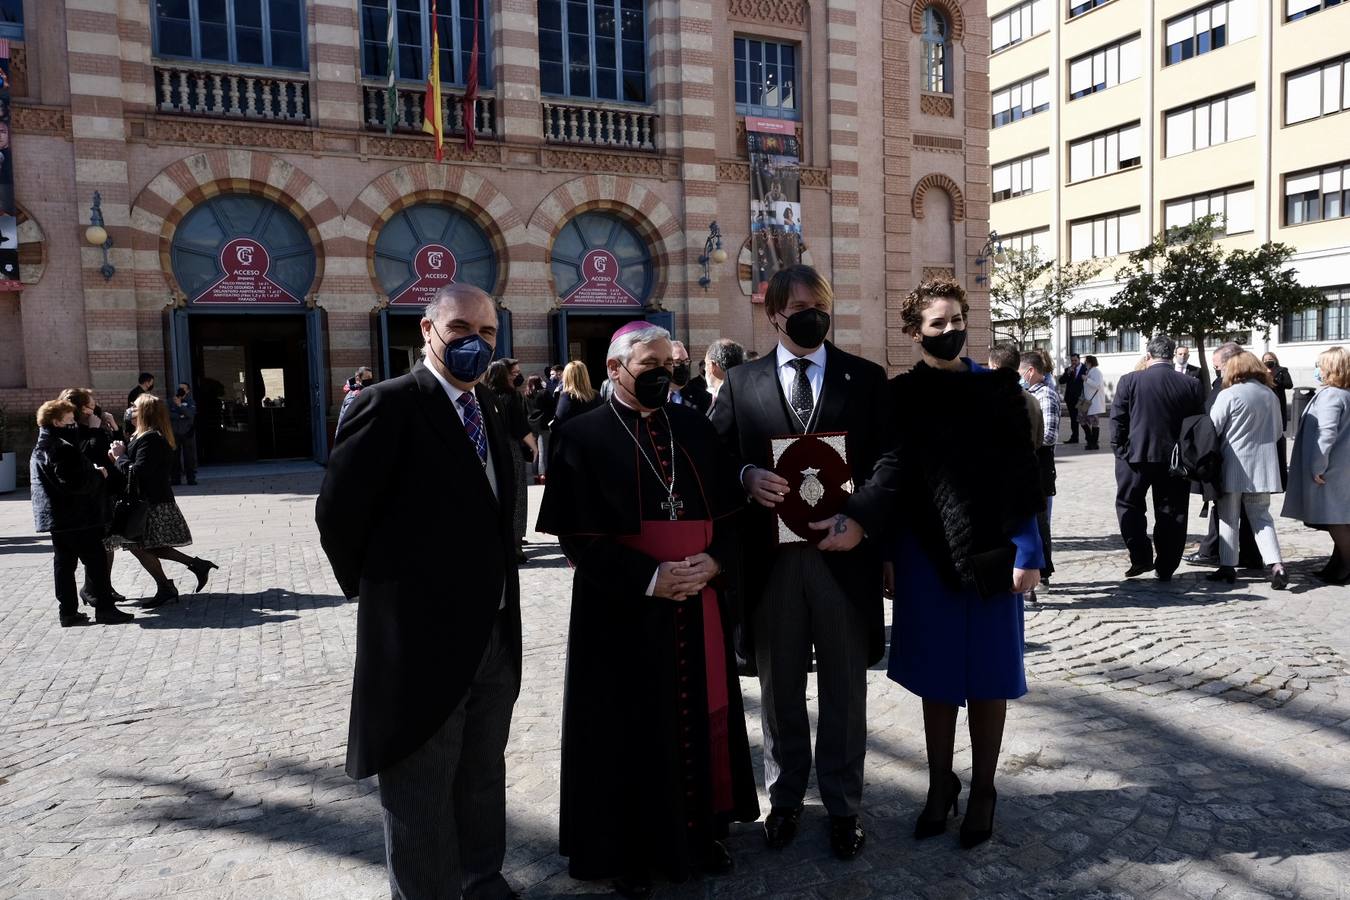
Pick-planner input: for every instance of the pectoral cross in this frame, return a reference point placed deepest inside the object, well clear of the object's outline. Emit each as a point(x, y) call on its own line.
point(674, 506)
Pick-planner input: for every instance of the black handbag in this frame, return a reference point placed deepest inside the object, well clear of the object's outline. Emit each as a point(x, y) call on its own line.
point(129, 513)
point(992, 570)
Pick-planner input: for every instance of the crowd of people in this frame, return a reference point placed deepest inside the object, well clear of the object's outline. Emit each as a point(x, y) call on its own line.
point(98, 487)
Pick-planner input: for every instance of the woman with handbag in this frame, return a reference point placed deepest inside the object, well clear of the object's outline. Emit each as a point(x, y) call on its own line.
point(66, 490)
point(1093, 403)
point(962, 491)
point(147, 462)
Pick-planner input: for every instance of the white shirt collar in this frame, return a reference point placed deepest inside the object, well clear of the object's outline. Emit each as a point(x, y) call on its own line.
point(817, 356)
point(619, 400)
point(450, 390)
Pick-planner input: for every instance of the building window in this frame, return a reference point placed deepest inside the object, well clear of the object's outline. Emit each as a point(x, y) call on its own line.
point(1317, 194)
point(1104, 68)
point(1301, 9)
point(1083, 338)
point(1209, 122)
point(269, 33)
point(1235, 208)
point(1077, 9)
point(11, 19)
point(1104, 236)
point(1321, 90)
point(204, 232)
point(1036, 338)
point(1025, 242)
point(409, 230)
point(1209, 28)
point(1102, 154)
point(593, 48)
point(766, 79)
point(1327, 322)
point(412, 40)
point(1023, 21)
point(937, 52)
point(1025, 175)
point(602, 231)
point(1026, 98)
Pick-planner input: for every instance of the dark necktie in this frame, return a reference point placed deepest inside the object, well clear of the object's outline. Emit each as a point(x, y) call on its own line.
point(473, 425)
point(802, 400)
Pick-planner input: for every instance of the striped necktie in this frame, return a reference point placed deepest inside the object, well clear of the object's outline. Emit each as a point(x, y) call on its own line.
point(473, 424)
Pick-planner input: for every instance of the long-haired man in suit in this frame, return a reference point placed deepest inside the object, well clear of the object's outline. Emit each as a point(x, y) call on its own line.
point(797, 597)
point(415, 515)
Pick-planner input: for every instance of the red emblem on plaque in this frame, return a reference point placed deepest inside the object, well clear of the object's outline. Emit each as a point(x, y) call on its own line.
point(245, 263)
point(435, 267)
point(599, 285)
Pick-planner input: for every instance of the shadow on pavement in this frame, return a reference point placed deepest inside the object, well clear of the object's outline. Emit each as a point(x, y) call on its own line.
point(211, 610)
point(33, 543)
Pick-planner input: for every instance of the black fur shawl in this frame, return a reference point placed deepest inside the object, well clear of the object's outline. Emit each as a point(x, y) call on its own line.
point(971, 476)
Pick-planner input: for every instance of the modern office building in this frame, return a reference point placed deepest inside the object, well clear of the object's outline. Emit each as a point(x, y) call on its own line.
point(276, 219)
point(1113, 119)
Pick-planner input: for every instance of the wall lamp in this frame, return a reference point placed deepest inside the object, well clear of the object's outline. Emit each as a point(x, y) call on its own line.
point(712, 253)
point(993, 248)
point(97, 236)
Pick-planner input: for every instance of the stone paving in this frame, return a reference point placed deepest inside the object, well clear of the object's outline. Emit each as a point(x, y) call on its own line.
point(1179, 740)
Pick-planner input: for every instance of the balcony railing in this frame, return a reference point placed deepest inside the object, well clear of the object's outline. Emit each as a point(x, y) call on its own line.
point(231, 94)
point(599, 126)
point(410, 101)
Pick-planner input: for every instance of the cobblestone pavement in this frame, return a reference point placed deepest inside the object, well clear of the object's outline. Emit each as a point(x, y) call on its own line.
point(1179, 740)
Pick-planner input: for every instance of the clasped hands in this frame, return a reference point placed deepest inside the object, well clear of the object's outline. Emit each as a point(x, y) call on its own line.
point(681, 579)
point(768, 489)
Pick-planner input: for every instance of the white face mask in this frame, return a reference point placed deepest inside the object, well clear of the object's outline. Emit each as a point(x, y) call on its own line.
point(1317, 376)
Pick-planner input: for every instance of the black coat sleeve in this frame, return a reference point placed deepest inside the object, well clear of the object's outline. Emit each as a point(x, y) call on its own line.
point(875, 501)
point(1120, 415)
point(355, 484)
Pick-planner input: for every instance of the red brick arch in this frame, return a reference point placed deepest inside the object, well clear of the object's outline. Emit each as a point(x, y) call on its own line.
point(949, 8)
point(945, 183)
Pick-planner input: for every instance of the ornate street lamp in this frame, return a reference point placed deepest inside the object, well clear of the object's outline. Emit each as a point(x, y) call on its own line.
point(97, 236)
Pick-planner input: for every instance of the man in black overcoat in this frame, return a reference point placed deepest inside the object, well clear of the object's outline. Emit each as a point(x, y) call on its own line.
point(796, 597)
point(1071, 389)
point(415, 515)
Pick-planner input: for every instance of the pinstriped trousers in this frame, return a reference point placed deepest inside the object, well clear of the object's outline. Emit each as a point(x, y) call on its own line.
point(445, 804)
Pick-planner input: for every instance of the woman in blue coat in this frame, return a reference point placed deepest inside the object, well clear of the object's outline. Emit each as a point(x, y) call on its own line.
point(959, 493)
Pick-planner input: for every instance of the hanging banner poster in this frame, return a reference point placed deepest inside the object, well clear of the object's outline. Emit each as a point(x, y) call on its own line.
point(245, 263)
point(775, 199)
point(9, 223)
point(599, 285)
point(435, 267)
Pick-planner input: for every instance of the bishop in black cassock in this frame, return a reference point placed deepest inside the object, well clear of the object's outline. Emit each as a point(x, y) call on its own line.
point(655, 760)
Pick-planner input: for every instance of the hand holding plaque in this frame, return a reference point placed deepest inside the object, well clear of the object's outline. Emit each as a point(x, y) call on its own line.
point(819, 479)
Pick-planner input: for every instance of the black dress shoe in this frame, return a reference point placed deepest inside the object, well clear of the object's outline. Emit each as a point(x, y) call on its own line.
point(1138, 569)
point(1226, 574)
point(1197, 559)
point(111, 615)
point(717, 860)
point(780, 825)
point(70, 620)
point(846, 836)
point(1163, 576)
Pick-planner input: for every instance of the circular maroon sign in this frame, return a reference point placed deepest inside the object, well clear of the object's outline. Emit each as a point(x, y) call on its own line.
point(434, 266)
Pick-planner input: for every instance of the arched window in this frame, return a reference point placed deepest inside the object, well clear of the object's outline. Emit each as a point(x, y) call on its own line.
point(602, 231)
point(197, 243)
point(400, 246)
point(937, 52)
point(593, 48)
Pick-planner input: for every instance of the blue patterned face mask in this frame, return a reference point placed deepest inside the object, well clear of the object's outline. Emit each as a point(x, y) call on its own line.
point(1317, 375)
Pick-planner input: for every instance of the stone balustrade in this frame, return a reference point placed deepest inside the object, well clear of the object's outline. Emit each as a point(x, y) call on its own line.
point(264, 95)
point(410, 101)
point(592, 124)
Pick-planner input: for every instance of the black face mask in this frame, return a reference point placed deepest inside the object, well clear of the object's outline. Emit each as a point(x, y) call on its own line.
point(518, 380)
point(808, 328)
point(652, 387)
point(680, 377)
point(69, 432)
point(367, 382)
point(945, 346)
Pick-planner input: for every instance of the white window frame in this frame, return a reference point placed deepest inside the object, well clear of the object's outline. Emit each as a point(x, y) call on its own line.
point(1107, 235)
point(1024, 175)
point(1021, 95)
point(1020, 23)
point(1105, 67)
point(1317, 91)
point(1183, 211)
point(1237, 18)
point(1217, 120)
point(1105, 153)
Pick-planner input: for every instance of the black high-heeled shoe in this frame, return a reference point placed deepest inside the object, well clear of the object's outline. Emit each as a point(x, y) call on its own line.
point(973, 837)
point(166, 593)
point(202, 569)
point(925, 827)
point(1226, 574)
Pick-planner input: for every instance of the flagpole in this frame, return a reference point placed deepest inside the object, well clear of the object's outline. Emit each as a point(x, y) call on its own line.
point(391, 93)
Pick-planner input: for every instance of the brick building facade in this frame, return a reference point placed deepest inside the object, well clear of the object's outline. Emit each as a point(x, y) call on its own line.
point(166, 113)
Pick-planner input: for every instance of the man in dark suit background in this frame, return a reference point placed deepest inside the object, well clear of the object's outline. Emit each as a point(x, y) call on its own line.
point(1146, 418)
point(684, 390)
point(1181, 363)
point(795, 596)
point(1071, 389)
point(415, 516)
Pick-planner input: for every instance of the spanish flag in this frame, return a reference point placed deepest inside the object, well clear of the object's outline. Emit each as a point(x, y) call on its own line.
point(433, 121)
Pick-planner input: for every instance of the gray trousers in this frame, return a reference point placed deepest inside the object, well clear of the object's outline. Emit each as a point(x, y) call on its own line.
point(1263, 527)
point(445, 805)
point(802, 606)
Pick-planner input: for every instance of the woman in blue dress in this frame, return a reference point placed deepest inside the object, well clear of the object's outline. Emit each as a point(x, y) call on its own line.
point(959, 494)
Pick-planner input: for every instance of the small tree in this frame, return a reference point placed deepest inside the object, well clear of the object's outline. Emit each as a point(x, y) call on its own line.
point(1185, 284)
point(1028, 293)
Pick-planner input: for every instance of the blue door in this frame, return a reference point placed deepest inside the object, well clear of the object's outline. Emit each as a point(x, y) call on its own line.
point(316, 336)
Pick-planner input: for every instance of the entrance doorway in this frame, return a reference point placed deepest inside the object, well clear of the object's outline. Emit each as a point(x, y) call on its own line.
point(251, 376)
point(586, 335)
